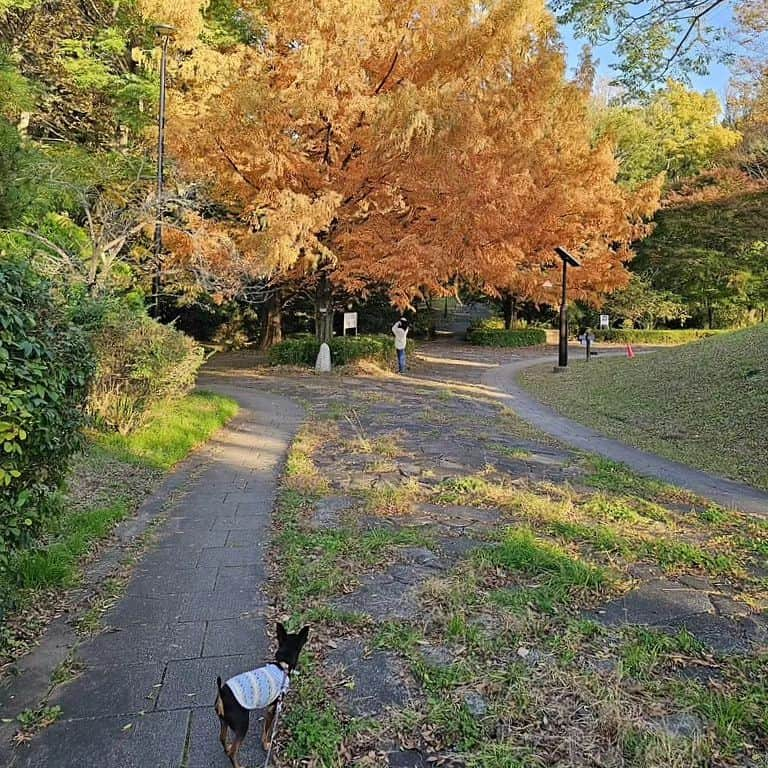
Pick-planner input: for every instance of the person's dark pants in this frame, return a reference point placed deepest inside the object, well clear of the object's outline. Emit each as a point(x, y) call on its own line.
point(400, 360)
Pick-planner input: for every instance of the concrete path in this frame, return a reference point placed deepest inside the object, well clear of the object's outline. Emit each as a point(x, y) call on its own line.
point(194, 609)
point(727, 493)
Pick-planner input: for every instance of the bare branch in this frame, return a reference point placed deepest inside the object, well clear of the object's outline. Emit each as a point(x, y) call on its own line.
point(391, 68)
point(233, 164)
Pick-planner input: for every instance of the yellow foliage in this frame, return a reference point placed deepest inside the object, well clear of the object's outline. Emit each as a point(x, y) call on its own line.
point(385, 141)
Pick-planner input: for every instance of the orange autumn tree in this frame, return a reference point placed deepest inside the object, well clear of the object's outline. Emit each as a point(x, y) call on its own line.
point(526, 178)
point(411, 145)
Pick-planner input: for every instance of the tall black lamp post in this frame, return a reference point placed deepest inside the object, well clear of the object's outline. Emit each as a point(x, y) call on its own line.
point(164, 32)
point(568, 260)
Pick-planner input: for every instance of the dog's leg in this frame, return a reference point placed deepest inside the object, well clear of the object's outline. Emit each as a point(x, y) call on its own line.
point(233, 750)
point(269, 718)
point(223, 733)
point(239, 726)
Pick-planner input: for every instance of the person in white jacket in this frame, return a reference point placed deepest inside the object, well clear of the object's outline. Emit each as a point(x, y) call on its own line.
point(400, 330)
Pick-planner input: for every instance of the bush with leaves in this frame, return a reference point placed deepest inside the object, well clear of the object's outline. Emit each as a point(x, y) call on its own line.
point(302, 350)
point(140, 362)
point(45, 368)
point(491, 333)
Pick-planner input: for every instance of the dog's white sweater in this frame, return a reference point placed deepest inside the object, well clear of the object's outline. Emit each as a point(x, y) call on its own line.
point(259, 687)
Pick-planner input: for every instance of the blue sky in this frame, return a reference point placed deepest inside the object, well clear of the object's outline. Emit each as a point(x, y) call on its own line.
point(716, 80)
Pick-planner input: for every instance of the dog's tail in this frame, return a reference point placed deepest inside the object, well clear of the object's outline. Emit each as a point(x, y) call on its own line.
point(219, 706)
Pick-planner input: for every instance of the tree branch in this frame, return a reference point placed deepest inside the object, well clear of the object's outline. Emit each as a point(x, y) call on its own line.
point(391, 67)
point(233, 164)
point(694, 22)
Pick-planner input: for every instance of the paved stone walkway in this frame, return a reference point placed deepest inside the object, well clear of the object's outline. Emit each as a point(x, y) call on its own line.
point(728, 493)
point(193, 610)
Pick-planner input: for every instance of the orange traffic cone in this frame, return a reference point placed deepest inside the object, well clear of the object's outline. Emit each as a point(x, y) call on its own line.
point(630, 351)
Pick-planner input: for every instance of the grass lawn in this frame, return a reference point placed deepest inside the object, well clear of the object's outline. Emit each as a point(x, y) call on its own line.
point(172, 430)
point(704, 404)
point(107, 483)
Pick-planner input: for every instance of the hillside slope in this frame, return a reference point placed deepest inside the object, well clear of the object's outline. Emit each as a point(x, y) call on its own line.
point(704, 404)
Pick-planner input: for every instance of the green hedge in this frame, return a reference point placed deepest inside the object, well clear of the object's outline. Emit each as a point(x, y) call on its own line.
point(141, 362)
point(45, 367)
point(632, 336)
point(302, 350)
point(498, 337)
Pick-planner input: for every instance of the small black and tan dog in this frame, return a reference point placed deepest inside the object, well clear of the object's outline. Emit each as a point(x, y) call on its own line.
point(258, 689)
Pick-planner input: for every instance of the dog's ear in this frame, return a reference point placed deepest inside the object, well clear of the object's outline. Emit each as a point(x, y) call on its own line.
point(302, 636)
point(282, 635)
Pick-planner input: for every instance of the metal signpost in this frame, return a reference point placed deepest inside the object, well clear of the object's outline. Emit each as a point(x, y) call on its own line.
point(562, 357)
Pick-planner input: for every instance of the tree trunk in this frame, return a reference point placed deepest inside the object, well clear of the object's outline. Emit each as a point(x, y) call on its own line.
point(508, 308)
point(710, 316)
point(272, 321)
point(324, 309)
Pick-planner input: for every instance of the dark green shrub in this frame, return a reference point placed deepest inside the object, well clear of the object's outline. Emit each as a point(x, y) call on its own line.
point(140, 362)
point(632, 336)
point(302, 350)
point(45, 367)
point(491, 333)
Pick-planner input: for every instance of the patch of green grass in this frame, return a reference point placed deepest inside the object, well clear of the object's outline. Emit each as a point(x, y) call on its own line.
point(55, 563)
point(460, 629)
point(34, 720)
point(649, 749)
point(670, 555)
point(173, 430)
point(461, 490)
point(313, 724)
point(560, 575)
point(734, 718)
point(674, 554)
point(613, 476)
point(645, 650)
point(628, 509)
point(458, 727)
point(715, 514)
point(396, 636)
point(657, 402)
point(321, 563)
point(438, 679)
point(500, 755)
point(600, 537)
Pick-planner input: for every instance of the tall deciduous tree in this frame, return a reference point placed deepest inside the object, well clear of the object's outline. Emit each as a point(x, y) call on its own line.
point(379, 142)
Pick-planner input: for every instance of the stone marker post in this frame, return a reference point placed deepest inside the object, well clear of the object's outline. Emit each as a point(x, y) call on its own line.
point(323, 364)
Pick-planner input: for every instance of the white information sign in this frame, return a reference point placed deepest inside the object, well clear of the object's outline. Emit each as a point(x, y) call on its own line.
point(604, 321)
point(350, 322)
